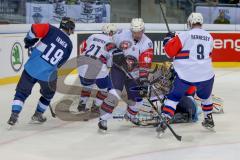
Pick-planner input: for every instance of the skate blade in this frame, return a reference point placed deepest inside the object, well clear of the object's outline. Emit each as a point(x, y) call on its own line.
point(160, 134)
point(210, 129)
point(35, 122)
point(9, 127)
point(101, 131)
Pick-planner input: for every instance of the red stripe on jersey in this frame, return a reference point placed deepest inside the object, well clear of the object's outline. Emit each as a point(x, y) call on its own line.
point(191, 90)
point(173, 47)
point(40, 30)
point(83, 46)
point(145, 58)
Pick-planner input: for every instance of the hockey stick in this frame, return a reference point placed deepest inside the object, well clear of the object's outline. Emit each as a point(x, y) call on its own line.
point(52, 112)
point(164, 17)
point(179, 138)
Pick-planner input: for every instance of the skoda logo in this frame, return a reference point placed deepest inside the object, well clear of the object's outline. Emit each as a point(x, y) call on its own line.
point(16, 57)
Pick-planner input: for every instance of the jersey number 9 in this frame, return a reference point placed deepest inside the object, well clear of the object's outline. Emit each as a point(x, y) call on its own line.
point(200, 51)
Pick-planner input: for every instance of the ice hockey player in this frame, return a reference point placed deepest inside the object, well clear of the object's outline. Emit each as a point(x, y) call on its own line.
point(192, 63)
point(95, 64)
point(135, 57)
point(52, 49)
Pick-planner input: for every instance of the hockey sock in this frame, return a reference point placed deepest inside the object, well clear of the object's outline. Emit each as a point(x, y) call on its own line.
point(169, 108)
point(85, 96)
point(100, 96)
point(207, 106)
point(17, 106)
point(132, 110)
point(42, 104)
point(207, 109)
point(106, 111)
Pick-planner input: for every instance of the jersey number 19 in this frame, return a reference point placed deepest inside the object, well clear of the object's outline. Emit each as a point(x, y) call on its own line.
point(52, 56)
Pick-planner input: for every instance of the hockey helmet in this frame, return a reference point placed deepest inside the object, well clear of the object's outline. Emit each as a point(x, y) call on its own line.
point(108, 28)
point(137, 25)
point(67, 23)
point(194, 18)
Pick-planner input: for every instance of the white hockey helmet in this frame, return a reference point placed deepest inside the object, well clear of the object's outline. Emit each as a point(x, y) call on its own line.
point(108, 28)
point(137, 25)
point(194, 18)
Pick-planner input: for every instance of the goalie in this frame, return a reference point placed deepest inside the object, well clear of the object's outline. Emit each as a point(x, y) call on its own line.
point(188, 108)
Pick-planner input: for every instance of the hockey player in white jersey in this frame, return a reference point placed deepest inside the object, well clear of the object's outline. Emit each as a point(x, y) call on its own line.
point(192, 63)
point(94, 65)
point(134, 57)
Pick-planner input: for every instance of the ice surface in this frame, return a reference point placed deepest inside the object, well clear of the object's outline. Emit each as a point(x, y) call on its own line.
point(59, 140)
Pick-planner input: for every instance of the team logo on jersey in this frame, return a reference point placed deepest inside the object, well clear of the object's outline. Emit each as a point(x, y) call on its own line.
point(147, 59)
point(125, 45)
point(16, 57)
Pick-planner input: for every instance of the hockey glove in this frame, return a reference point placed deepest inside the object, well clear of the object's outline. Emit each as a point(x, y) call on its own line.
point(169, 35)
point(30, 42)
point(119, 58)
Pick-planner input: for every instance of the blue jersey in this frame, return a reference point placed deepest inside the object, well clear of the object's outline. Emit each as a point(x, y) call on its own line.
point(52, 51)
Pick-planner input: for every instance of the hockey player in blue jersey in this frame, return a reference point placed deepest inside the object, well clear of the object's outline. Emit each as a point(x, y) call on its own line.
point(51, 49)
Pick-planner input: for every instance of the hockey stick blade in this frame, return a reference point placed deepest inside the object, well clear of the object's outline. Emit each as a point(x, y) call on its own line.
point(179, 138)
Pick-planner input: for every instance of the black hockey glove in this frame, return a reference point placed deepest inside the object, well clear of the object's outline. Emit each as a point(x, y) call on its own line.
point(30, 42)
point(168, 36)
point(119, 58)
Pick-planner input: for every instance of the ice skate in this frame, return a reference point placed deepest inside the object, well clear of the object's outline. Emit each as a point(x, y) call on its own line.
point(12, 120)
point(82, 107)
point(102, 126)
point(132, 118)
point(162, 126)
point(38, 118)
point(208, 122)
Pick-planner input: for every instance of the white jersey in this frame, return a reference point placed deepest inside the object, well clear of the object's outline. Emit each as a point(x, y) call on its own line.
point(191, 51)
point(140, 50)
point(97, 46)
